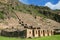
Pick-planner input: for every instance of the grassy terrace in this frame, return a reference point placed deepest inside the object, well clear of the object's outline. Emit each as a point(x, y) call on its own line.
point(56, 37)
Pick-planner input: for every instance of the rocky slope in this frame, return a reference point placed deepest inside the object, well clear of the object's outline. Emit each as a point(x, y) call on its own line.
point(15, 15)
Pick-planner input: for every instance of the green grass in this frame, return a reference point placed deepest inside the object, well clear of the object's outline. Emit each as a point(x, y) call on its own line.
point(56, 37)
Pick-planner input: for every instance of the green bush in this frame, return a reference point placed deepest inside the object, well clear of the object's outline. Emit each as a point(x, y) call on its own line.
point(1, 15)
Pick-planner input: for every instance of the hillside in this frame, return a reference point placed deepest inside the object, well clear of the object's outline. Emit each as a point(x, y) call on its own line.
point(14, 14)
point(9, 5)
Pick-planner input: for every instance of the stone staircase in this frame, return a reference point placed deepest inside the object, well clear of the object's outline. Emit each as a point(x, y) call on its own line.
point(27, 20)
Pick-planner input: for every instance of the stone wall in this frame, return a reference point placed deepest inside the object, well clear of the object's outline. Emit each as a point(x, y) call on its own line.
point(38, 33)
point(0, 32)
point(29, 33)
